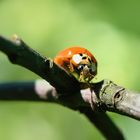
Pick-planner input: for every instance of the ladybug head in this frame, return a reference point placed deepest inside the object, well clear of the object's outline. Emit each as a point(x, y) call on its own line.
point(84, 66)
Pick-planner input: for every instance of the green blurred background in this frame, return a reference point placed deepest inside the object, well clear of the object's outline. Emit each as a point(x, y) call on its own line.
point(109, 29)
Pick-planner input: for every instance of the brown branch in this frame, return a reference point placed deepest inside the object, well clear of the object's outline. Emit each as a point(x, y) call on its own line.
point(19, 53)
point(117, 99)
point(103, 124)
point(103, 96)
point(40, 90)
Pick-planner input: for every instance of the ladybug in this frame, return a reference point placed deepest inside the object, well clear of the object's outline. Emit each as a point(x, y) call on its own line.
point(79, 62)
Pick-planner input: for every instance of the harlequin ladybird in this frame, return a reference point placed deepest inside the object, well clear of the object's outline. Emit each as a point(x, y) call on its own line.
point(79, 62)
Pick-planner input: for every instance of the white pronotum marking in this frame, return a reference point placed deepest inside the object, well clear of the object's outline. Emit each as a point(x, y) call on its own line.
point(77, 58)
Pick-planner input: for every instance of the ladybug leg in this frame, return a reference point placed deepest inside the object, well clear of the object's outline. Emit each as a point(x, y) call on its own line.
point(81, 77)
point(71, 68)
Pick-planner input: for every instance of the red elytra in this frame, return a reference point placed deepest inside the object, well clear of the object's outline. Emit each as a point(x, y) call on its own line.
point(79, 62)
point(65, 55)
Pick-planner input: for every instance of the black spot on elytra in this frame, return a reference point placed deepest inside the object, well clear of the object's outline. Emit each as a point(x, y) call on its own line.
point(80, 54)
point(89, 60)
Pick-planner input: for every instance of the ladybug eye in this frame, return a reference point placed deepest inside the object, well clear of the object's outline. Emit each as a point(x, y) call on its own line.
point(80, 54)
point(81, 67)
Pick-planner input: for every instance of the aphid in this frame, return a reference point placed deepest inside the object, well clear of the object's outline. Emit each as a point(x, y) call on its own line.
point(79, 62)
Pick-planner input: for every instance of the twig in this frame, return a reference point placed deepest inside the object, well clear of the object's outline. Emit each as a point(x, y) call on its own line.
point(106, 95)
point(103, 124)
point(117, 99)
point(19, 53)
point(40, 90)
